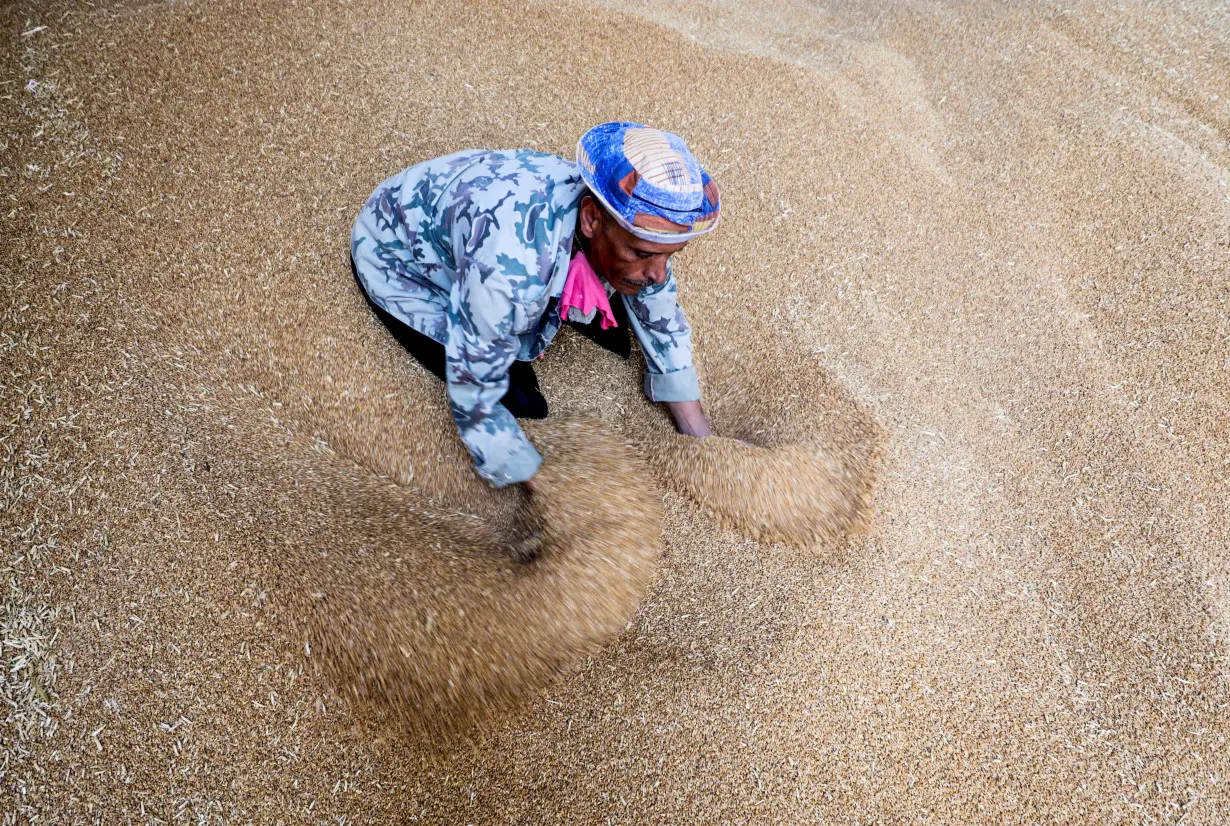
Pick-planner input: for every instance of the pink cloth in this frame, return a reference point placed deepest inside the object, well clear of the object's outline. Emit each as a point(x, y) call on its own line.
point(583, 289)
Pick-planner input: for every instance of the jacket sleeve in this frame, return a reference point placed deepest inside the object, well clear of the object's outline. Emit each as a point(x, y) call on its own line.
point(482, 345)
point(660, 327)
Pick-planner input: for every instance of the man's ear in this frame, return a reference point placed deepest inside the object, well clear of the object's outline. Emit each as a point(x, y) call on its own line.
point(591, 216)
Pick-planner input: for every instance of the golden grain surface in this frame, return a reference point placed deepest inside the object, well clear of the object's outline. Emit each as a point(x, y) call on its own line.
point(978, 248)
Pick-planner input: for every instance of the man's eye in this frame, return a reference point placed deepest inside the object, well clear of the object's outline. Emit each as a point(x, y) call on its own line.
point(643, 254)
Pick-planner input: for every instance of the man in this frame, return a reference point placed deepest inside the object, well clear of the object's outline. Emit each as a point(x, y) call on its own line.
point(475, 259)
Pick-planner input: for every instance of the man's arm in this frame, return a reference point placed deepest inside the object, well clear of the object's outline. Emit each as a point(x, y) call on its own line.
point(481, 347)
point(662, 330)
point(690, 419)
point(493, 265)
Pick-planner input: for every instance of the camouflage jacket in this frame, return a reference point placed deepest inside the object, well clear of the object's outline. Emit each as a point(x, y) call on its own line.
point(469, 249)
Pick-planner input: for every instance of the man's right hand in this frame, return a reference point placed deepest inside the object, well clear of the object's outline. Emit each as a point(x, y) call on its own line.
point(526, 542)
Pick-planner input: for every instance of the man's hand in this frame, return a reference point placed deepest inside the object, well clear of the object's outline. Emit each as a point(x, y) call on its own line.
point(689, 419)
point(526, 541)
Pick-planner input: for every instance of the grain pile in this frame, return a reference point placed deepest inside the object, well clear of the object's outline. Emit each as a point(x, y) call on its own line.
point(783, 467)
point(434, 623)
point(987, 241)
point(791, 493)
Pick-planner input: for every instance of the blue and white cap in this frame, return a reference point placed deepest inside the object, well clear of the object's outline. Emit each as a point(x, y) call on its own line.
point(649, 181)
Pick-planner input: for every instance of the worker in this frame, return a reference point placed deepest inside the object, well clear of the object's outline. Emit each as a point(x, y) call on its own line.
point(474, 260)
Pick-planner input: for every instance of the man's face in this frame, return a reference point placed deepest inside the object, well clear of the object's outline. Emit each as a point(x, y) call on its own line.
point(625, 261)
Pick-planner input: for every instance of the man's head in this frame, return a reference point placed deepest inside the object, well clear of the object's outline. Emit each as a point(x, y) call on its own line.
point(647, 198)
point(628, 263)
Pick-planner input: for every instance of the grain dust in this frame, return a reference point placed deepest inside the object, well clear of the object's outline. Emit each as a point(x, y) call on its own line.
point(435, 623)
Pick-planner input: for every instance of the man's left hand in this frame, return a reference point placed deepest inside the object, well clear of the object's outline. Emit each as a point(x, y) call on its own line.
point(689, 419)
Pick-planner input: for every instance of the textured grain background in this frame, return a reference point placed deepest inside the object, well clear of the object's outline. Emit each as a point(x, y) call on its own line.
point(996, 233)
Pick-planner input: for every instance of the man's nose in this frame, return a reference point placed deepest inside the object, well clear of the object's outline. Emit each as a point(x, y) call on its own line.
point(657, 272)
